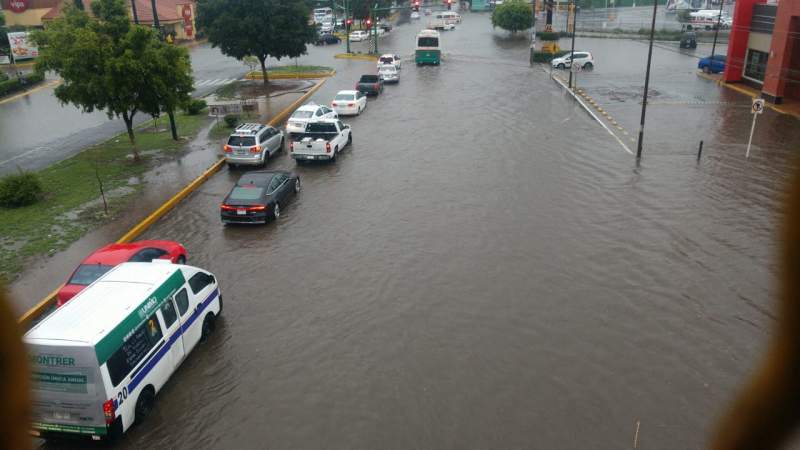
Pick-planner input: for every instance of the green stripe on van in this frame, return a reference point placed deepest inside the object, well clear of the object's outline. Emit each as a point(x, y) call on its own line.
point(64, 428)
point(113, 340)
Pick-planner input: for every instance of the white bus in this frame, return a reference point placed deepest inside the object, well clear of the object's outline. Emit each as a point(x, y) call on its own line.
point(98, 362)
point(321, 13)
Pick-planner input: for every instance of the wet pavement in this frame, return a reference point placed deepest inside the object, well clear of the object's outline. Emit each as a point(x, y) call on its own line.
point(486, 268)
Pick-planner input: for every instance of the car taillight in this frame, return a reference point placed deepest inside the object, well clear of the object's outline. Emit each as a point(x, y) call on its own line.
point(109, 411)
point(257, 208)
point(227, 149)
point(327, 147)
point(225, 207)
point(350, 105)
point(255, 149)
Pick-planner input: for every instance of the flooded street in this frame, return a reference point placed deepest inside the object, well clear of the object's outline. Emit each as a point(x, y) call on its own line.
point(486, 268)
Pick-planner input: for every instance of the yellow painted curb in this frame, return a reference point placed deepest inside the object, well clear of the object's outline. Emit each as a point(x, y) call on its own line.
point(290, 76)
point(52, 83)
point(357, 56)
point(142, 226)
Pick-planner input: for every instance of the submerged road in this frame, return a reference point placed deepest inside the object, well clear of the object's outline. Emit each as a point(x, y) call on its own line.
point(484, 268)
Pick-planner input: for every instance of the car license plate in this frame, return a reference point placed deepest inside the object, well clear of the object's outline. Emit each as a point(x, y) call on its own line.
point(310, 157)
point(241, 212)
point(241, 152)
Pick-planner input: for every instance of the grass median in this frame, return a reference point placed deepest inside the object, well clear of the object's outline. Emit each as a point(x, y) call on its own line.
point(72, 204)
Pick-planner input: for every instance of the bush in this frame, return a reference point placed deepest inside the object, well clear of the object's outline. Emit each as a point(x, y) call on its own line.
point(547, 36)
point(15, 84)
point(547, 56)
point(513, 16)
point(3, 76)
point(21, 189)
point(194, 106)
point(231, 120)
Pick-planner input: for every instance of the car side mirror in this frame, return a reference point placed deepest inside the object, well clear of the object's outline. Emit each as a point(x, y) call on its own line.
point(347, 126)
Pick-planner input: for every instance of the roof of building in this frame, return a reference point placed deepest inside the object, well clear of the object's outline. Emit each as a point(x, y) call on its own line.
point(31, 4)
point(167, 10)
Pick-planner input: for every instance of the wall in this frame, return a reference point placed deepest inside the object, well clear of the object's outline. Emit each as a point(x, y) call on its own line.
point(737, 42)
point(782, 50)
point(27, 18)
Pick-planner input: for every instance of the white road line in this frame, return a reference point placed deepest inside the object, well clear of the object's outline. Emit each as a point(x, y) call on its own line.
point(202, 83)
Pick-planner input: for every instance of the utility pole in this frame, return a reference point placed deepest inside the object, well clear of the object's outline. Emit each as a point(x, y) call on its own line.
point(156, 24)
point(533, 30)
point(572, 52)
point(133, 10)
point(647, 81)
point(716, 32)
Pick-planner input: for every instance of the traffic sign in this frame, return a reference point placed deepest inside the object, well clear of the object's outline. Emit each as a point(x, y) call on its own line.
point(758, 106)
point(575, 68)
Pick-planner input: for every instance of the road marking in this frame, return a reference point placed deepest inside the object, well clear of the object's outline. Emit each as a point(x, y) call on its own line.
point(49, 84)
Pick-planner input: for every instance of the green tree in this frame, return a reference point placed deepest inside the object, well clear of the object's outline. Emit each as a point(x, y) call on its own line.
point(260, 28)
point(171, 84)
point(513, 16)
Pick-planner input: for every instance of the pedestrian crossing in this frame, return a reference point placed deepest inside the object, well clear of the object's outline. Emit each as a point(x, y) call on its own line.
point(216, 82)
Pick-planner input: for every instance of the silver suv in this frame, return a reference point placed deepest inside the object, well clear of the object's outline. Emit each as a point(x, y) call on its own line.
point(253, 144)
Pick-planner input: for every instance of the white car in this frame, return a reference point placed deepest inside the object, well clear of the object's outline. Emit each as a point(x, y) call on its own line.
point(358, 36)
point(326, 27)
point(390, 59)
point(349, 102)
point(583, 59)
point(415, 15)
point(389, 73)
point(322, 141)
point(310, 112)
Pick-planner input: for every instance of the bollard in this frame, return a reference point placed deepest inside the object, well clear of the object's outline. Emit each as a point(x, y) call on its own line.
point(700, 150)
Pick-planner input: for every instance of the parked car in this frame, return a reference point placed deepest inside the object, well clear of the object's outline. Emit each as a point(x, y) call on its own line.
point(307, 113)
point(370, 84)
point(322, 141)
point(105, 258)
point(584, 59)
point(327, 38)
point(258, 196)
point(712, 65)
point(349, 102)
point(358, 36)
point(428, 11)
point(252, 144)
point(389, 74)
point(689, 40)
point(389, 59)
point(414, 15)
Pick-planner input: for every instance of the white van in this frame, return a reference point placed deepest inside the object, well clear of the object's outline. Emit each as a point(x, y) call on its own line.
point(440, 22)
point(98, 362)
point(451, 17)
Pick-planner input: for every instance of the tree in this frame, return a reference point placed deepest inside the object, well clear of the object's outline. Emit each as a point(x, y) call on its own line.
point(513, 16)
point(171, 83)
point(260, 28)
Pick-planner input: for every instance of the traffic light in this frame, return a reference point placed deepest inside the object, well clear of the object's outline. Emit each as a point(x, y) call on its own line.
point(349, 22)
point(369, 23)
point(416, 5)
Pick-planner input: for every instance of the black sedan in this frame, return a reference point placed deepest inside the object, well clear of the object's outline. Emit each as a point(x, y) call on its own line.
point(327, 39)
point(258, 196)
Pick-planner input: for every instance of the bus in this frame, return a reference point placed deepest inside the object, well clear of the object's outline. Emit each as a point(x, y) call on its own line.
point(321, 13)
point(98, 362)
point(428, 50)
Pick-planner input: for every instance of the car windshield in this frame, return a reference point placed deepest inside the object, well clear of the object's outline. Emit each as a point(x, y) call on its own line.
point(387, 60)
point(345, 97)
point(302, 114)
point(242, 141)
point(245, 193)
point(88, 273)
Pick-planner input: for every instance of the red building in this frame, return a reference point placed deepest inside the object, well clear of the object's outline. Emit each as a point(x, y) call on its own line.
point(764, 48)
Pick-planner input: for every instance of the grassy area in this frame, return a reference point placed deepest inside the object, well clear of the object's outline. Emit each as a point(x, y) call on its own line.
point(72, 204)
point(297, 69)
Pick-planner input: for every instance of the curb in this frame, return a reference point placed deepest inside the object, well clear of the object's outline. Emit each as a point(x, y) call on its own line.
point(47, 302)
point(290, 76)
point(35, 88)
point(356, 56)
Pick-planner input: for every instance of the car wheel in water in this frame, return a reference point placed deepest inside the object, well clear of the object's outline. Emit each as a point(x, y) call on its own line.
point(276, 211)
point(588, 66)
point(706, 69)
point(182, 259)
point(333, 157)
point(560, 66)
point(297, 186)
point(350, 139)
point(283, 142)
point(209, 324)
point(144, 404)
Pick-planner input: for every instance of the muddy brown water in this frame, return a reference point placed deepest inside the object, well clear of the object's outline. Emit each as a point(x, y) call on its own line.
point(484, 268)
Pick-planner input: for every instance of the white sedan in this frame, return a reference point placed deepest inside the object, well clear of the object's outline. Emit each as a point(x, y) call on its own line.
point(389, 73)
point(415, 15)
point(309, 112)
point(349, 102)
point(358, 36)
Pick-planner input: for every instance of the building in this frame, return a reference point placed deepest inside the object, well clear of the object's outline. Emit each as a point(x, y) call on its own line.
point(176, 17)
point(763, 49)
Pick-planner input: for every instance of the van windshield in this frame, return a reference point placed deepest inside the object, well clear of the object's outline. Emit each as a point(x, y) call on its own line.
point(428, 42)
point(86, 274)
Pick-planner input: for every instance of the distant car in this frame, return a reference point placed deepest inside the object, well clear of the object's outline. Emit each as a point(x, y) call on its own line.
point(308, 113)
point(358, 36)
point(104, 259)
point(258, 196)
point(428, 11)
point(583, 59)
point(415, 15)
point(709, 65)
point(252, 144)
point(326, 27)
point(349, 103)
point(327, 39)
point(391, 59)
point(386, 27)
point(370, 84)
point(689, 40)
point(389, 74)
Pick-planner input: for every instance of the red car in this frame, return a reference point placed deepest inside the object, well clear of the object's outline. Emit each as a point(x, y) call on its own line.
point(104, 259)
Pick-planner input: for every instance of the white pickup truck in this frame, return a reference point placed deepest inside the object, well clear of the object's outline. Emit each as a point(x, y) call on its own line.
point(322, 141)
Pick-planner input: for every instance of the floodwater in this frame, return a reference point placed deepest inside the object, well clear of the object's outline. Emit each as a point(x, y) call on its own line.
point(484, 268)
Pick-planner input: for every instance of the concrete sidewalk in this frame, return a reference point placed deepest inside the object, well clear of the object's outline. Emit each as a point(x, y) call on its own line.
point(788, 107)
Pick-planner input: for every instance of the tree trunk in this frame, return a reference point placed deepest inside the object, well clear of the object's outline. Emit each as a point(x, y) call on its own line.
point(129, 125)
point(263, 62)
point(172, 126)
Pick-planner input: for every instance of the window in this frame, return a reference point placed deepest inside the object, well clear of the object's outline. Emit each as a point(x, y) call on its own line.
point(87, 273)
point(241, 141)
point(344, 97)
point(756, 65)
point(302, 114)
point(245, 193)
point(168, 311)
point(182, 299)
point(199, 281)
point(319, 112)
point(275, 183)
point(147, 255)
point(134, 349)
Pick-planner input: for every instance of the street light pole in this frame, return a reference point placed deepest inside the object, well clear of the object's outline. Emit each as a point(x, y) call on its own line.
point(156, 24)
point(572, 52)
point(716, 32)
point(647, 81)
point(347, 24)
point(133, 11)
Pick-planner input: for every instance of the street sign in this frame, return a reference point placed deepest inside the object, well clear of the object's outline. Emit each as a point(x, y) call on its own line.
point(758, 106)
point(575, 68)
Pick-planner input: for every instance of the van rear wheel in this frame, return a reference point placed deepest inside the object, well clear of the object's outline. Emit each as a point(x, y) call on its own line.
point(144, 404)
point(209, 324)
